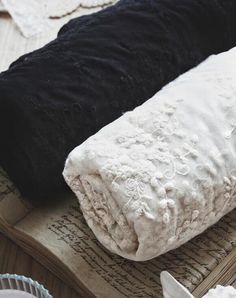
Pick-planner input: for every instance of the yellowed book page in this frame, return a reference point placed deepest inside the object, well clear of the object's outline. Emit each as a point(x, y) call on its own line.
point(12, 207)
point(224, 273)
point(60, 233)
point(64, 231)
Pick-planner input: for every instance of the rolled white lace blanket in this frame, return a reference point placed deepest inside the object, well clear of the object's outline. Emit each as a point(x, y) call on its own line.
point(165, 172)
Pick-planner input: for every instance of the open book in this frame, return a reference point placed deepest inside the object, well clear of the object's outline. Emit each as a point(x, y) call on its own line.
point(59, 238)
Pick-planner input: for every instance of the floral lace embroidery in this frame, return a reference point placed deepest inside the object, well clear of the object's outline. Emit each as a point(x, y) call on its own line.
point(170, 162)
point(169, 165)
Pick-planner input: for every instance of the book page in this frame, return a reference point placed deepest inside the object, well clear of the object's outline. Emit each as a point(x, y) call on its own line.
point(63, 232)
point(223, 274)
point(12, 206)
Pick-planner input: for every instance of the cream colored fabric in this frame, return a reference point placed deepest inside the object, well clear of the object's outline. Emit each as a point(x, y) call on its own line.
point(165, 172)
point(35, 17)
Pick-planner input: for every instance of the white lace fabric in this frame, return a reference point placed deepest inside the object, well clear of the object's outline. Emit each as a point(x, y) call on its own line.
point(166, 171)
point(34, 17)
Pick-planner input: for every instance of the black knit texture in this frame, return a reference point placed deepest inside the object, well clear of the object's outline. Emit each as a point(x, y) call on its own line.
point(98, 67)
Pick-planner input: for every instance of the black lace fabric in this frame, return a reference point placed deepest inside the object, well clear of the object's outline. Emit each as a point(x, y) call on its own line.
point(98, 67)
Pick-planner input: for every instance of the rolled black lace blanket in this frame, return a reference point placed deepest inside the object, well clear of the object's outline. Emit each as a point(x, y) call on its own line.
point(98, 67)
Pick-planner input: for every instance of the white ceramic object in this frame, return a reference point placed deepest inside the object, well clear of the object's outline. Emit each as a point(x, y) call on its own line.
point(173, 289)
point(15, 294)
point(16, 286)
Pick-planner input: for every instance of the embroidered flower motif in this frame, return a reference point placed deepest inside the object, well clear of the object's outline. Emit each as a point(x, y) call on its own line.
point(134, 189)
point(163, 204)
point(166, 218)
point(142, 138)
point(121, 140)
point(110, 175)
point(194, 139)
point(166, 203)
point(183, 170)
point(161, 192)
point(180, 134)
point(154, 182)
point(170, 171)
point(144, 177)
point(142, 209)
point(186, 224)
point(132, 184)
point(124, 159)
point(136, 155)
point(115, 186)
point(195, 214)
point(180, 194)
point(187, 200)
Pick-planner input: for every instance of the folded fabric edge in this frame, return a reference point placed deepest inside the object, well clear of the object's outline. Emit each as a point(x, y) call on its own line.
point(107, 221)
